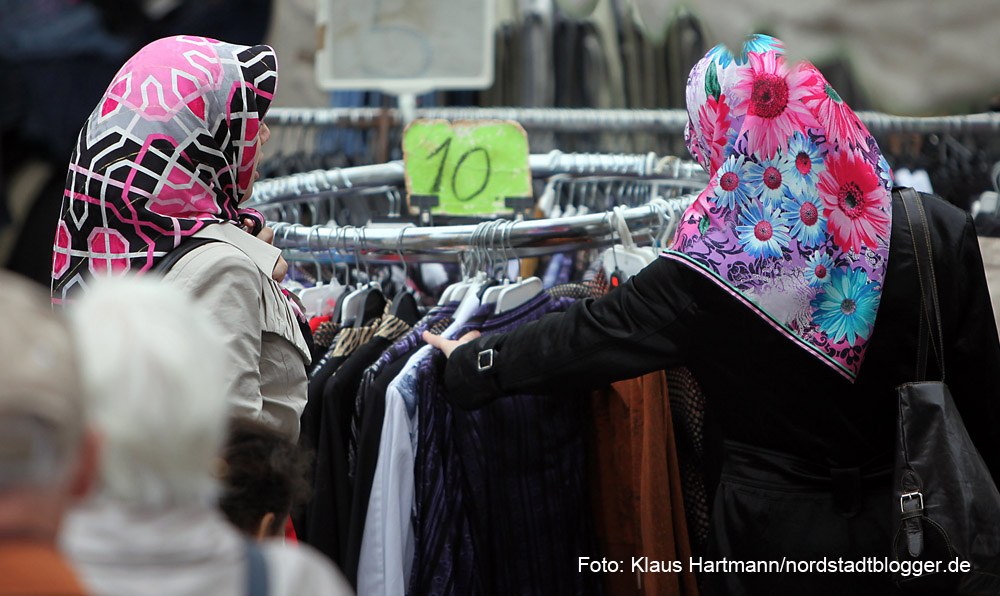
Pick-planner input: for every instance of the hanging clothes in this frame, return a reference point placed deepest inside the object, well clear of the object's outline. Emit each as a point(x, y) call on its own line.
point(687, 411)
point(636, 485)
point(637, 479)
point(326, 422)
point(387, 544)
point(366, 427)
point(499, 491)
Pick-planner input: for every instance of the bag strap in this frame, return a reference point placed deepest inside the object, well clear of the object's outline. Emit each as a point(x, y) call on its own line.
point(170, 259)
point(923, 251)
point(257, 581)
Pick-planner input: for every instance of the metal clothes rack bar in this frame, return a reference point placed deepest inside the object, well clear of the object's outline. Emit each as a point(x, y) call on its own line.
point(447, 243)
point(602, 120)
point(297, 187)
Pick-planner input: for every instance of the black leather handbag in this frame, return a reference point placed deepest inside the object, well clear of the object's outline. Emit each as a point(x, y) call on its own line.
point(948, 516)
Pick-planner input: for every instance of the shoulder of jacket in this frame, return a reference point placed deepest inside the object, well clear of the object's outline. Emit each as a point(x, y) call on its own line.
point(214, 263)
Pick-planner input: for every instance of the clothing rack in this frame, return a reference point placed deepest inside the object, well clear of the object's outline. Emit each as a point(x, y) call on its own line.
point(328, 183)
point(618, 120)
point(447, 243)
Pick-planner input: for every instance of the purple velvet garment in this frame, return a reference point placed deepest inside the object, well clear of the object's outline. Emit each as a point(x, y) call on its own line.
point(501, 492)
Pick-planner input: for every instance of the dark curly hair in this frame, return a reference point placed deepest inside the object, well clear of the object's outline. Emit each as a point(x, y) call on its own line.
point(263, 473)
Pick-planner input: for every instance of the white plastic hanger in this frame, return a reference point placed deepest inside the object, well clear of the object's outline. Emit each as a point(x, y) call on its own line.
point(315, 299)
point(628, 259)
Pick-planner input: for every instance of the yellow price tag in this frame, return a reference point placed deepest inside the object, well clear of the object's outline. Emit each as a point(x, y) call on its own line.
point(470, 165)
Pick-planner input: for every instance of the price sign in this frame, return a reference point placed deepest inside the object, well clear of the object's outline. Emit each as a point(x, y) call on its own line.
point(471, 166)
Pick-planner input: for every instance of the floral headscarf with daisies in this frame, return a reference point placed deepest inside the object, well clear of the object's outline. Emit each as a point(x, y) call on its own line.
point(796, 216)
point(169, 149)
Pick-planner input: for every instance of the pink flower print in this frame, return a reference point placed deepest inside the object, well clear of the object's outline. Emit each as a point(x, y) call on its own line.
point(854, 202)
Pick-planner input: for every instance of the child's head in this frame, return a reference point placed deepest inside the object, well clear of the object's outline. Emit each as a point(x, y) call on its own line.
point(264, 479)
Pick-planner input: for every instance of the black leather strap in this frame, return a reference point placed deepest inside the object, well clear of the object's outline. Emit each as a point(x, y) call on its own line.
point(912, 514)
point(930, 320)
point(170, 259)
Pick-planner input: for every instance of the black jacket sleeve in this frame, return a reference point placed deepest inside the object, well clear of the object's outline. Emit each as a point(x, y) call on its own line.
point(641, 327)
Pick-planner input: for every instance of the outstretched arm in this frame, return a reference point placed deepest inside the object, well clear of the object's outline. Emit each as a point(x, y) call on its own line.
point(639, 328)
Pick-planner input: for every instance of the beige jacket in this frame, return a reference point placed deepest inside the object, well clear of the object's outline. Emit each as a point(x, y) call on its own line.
point(267, 379)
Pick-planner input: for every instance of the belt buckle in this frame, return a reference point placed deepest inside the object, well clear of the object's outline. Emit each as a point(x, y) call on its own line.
point(911, 495)
point(484, 360)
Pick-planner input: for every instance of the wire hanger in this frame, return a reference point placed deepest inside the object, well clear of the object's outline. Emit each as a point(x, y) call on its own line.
point(521, 292)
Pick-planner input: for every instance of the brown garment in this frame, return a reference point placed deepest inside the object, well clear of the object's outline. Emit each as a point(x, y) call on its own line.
point(636, 487)
point(35, 569)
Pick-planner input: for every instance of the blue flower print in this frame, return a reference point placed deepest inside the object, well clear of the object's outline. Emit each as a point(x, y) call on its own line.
point(845, 307)
point(768, 179)
point(884, 172)
point(763, 232)
point(804, 214)
point(804, 162)
point(819, 267)
point(722, 54)
point(760, 44)
point(731, 190)
point(754, 43)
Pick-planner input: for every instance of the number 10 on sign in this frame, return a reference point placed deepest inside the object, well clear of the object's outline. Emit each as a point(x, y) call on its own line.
point(470, 165)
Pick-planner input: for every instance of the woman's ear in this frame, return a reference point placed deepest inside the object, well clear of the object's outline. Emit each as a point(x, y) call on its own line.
point(264, 529)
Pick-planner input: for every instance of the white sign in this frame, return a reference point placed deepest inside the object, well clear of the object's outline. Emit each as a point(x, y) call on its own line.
point(405, 46)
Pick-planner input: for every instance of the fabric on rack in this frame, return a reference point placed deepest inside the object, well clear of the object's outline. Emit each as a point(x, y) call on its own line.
point(500, 506)
point(326, 424)
point(324, 330)
point(387, 553)
point(346, 341)
point(552, 270)
point(687, 410)
point(638, 479)
point(366, 427)
point(326, 333)
point(636, 485)
point(436, 322)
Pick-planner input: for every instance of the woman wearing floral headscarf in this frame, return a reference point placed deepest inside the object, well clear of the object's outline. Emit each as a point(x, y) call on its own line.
point(791, 292)
point(167, 156)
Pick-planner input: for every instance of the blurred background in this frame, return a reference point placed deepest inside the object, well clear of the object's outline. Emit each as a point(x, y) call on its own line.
point(919, 57)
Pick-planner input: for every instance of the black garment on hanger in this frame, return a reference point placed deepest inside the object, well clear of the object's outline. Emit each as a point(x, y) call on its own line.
point(326, 519)
point(368, 415)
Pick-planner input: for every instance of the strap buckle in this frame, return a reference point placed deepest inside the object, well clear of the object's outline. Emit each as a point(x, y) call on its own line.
point(908, 497)
point(484, 360)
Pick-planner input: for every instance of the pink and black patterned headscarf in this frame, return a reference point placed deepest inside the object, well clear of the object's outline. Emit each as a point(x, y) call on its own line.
point(169, 149)
point(795, 220)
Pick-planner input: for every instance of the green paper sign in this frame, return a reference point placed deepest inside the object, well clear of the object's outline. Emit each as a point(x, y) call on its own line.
point(470, 165)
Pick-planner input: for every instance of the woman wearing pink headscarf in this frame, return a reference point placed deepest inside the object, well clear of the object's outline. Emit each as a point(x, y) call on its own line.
point(791, 292)
point(166, 159)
